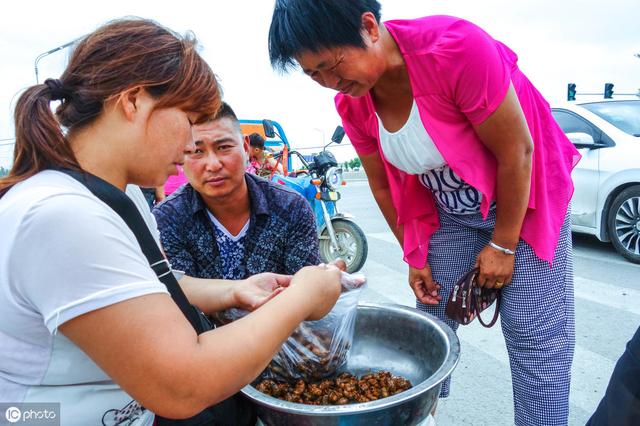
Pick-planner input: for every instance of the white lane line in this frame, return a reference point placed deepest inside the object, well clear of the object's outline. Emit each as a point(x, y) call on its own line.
point(384, 236)
point(620, 298)
point(583, 255)
point(590, 374)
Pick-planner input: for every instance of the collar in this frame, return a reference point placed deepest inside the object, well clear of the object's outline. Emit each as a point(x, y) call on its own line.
point(257, 194)
point(258, 201)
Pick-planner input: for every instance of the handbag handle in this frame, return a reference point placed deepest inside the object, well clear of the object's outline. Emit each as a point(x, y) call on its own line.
point(495, 313)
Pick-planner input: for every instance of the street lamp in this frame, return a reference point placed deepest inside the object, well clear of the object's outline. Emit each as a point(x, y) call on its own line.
point(54, 50)
point(321, 133)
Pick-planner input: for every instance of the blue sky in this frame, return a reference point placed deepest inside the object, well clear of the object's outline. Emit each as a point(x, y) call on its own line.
point(586, 42)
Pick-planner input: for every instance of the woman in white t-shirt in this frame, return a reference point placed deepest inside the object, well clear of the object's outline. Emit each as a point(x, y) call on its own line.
point(84, 320)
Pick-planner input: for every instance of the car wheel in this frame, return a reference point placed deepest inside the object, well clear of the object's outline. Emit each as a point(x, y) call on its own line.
point(623, 223)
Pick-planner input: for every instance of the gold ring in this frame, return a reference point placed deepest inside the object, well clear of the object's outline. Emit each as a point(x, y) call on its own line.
point(499, 284)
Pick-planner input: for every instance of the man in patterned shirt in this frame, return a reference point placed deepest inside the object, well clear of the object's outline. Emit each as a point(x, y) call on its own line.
point(229, 224)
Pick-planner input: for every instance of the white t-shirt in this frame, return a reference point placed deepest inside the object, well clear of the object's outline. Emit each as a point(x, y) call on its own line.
point(63, 253)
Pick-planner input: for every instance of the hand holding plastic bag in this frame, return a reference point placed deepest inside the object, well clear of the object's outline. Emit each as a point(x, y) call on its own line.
point(316, 349)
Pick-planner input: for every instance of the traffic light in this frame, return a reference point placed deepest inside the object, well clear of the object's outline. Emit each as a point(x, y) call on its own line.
point(608, 90)
point(571, 92)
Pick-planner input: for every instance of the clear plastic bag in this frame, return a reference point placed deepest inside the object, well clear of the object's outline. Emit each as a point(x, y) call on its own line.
point(316, 349)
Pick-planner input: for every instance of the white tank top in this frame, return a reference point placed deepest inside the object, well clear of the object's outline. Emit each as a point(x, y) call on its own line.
point(410, 149)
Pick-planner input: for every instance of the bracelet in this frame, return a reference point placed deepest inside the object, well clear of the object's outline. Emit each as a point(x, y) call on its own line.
point(502, 249)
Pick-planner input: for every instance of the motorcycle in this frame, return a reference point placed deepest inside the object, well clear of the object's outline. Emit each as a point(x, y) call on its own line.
point(318, 181)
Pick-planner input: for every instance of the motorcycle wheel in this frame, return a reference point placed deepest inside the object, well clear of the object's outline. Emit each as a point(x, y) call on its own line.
point(352, 245)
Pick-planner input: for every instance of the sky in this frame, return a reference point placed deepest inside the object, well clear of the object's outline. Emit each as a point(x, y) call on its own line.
point(587, 42)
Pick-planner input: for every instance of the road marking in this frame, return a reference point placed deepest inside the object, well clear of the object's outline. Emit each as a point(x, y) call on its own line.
point(583, 255)
point(624, 299)
point(384, 236)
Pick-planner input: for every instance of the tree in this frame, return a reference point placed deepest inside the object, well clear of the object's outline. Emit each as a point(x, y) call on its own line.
point(355, 163)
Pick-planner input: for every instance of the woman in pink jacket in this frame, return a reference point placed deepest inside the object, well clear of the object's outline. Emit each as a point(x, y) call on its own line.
point(465, 162)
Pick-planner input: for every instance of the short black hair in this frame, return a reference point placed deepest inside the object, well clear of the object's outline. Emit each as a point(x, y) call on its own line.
point(312, 25)
point(256, 140)
point(226, 111)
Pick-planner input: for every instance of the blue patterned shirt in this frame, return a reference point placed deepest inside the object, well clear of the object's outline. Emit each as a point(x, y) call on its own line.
point(281, 238)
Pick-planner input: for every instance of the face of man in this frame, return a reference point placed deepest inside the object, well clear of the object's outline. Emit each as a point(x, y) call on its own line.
point(215, 168)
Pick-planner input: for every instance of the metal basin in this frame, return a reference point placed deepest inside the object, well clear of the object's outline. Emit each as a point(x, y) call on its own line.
point(395, 338)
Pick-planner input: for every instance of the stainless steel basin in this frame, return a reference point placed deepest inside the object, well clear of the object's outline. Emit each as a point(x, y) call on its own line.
point(395, 338)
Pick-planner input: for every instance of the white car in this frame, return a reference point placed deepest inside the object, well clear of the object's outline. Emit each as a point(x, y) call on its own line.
point(606, 202)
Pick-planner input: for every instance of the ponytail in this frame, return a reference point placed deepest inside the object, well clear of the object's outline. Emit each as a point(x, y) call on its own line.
point(147, 55)
point(40, 143)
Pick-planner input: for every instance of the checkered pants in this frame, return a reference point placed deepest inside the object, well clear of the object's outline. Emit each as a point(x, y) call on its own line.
point(537, 313)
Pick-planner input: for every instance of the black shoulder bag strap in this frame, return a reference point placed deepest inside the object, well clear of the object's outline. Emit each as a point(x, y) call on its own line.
point(127, 210)
point(231, 412)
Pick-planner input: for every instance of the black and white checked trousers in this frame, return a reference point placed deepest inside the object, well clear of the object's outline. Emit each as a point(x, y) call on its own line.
point(537, 312)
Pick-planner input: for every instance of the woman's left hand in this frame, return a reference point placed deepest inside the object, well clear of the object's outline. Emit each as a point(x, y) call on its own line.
point(258, 289)
point(496, 268)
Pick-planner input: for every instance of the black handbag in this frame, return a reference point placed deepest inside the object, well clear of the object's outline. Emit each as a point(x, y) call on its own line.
point(236, 410)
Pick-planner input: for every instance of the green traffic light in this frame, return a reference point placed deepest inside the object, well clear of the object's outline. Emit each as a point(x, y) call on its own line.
point(608, 90)
point(571, 92)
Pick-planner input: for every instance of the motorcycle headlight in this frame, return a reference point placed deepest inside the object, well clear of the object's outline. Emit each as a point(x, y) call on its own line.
point(333, 178)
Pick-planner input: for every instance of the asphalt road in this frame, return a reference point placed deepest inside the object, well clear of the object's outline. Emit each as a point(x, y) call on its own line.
point(607, 292)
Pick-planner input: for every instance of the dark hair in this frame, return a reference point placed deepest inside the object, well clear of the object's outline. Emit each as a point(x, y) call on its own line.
point(118, 56)
point(312, 25)
point(226, 111)
point(256, 140)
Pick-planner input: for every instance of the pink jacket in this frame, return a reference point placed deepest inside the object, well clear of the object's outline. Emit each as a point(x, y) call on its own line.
point(459, 76)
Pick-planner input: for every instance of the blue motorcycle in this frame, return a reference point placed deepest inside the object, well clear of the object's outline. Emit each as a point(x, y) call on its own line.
point(318, 181)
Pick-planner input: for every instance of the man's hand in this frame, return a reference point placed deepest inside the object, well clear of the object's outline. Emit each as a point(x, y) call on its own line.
point(423, 285)
point(258, 289)
point(496, 268)
point(340, 264)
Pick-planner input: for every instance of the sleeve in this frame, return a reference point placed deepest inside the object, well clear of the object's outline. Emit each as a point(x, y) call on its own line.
point(363, 144)
point(174, 239)
point(302, 239)
point(74, 256)
point(476, 70)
